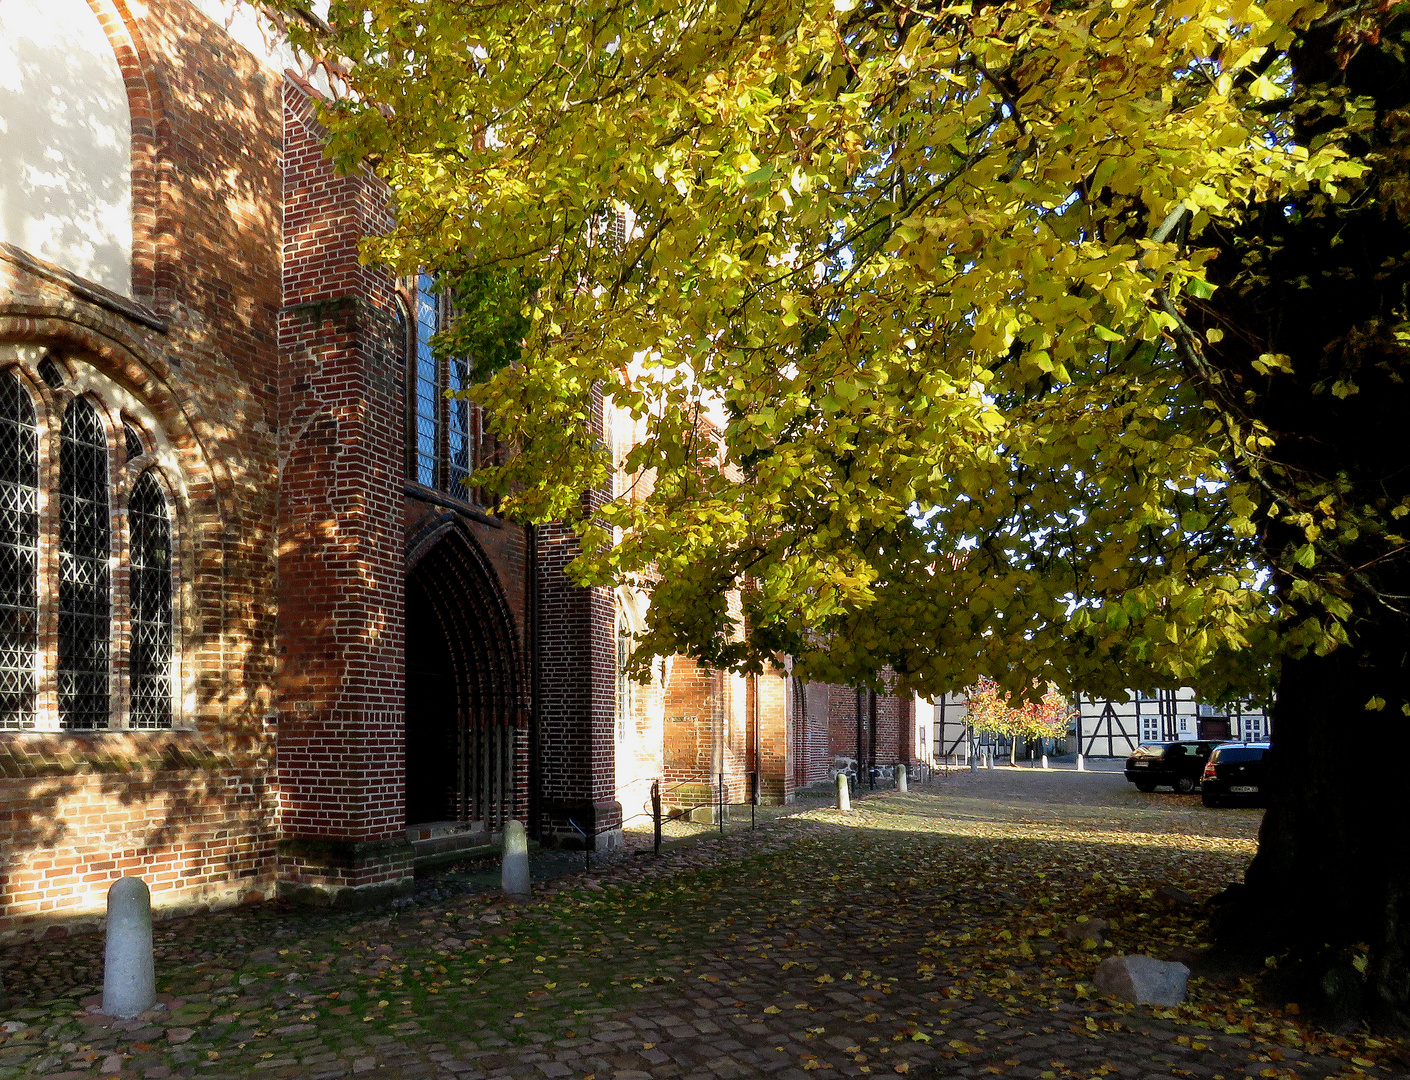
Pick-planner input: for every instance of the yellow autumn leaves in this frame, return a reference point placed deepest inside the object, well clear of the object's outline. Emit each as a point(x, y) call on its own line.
point(884, 309)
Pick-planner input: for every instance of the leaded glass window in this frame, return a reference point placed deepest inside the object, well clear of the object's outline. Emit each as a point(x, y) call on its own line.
point(441, 424)
point(50, 373)
point(458, 459)
point(132, 440)
point(19, 553)
point(149, 590)
point(425, 388)
point(85, 543)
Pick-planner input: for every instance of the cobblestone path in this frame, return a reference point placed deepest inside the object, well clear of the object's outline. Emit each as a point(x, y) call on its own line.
point(927, 935)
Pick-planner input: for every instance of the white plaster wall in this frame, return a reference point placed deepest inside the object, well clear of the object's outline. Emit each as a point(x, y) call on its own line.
point(248, 26)
point(65, 141)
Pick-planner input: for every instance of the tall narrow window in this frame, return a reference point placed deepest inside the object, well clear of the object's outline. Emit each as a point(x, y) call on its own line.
point(427, 401)
point(132, 440)
point(441, 436)
point(85, 541)
point(625, 687)
point(459, 462)
point(149, 584)
point(19, 553)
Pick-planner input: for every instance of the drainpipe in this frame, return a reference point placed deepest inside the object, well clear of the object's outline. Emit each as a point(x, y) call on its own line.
point(757, 747)
point(871, 754)
point(859, 740)
point(531, 622)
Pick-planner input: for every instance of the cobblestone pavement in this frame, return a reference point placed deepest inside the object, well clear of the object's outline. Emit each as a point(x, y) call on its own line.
point(933, 934)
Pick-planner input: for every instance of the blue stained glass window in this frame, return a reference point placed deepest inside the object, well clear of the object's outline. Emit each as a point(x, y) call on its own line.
point(443, 455)
point(426, 409)
point(459, 460)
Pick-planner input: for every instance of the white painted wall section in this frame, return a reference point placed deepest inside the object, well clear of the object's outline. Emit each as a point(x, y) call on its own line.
point(65, 141)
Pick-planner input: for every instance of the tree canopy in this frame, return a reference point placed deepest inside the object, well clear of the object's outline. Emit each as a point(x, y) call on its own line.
point(900, 304)
point(1062, 341)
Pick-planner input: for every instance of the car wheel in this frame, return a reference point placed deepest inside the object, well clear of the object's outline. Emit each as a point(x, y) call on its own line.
point(1145, 785)
point(1209, 798)
point(1184, 785)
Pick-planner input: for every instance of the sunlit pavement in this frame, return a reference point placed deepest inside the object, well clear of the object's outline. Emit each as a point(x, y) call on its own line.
point(930, 934)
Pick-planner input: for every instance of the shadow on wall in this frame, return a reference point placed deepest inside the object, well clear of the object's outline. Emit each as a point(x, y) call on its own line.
point(66, 141)
point(162, 806)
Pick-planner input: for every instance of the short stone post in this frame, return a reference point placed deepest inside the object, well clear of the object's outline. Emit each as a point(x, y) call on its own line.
point(844, 795)
point(989, 760)
point(1045, 762)
point(129, 981)
point(1081, 763)
point(901, 778)
point(514, 876)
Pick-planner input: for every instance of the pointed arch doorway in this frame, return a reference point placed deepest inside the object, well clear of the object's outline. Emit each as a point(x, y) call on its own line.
point(465, 739)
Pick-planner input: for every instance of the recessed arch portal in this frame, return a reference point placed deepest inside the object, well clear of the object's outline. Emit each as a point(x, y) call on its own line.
point(466, 741)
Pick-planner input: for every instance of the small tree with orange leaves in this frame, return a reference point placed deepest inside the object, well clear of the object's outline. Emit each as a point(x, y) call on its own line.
point(990, 710)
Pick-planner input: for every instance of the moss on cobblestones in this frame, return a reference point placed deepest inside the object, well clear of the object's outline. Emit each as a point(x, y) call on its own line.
point(919, 935)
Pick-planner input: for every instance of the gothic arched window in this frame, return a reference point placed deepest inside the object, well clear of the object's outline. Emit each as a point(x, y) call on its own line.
point(83, 629)
point(149, 589)
point(19, 553)
point(85, 545)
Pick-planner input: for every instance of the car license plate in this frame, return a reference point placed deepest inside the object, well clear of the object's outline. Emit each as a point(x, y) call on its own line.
point(1140, 764)
point(1242, 789)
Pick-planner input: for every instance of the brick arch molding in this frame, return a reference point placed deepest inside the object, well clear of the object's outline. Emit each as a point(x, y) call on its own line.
point(464, 593)
point(129, 357)
point(145, 105)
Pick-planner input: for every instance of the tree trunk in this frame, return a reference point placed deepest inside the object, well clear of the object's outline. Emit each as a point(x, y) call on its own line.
point(1328, 893)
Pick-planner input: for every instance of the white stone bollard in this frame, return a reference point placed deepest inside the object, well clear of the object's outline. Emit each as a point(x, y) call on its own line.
point(1045, 761)
point(989, 760)
point(514, 875)
point(844, 794)
point(901, 779)
point(129, 980)
point(1081, 763)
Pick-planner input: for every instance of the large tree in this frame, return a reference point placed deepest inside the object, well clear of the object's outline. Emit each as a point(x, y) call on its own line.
point(1058, 340)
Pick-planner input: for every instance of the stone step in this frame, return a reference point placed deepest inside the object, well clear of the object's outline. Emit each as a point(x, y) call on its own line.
point(431, 830)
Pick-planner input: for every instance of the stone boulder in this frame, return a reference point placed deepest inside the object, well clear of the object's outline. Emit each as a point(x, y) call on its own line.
point(1086, 928)
point(1170, 896)
point(1142, 980)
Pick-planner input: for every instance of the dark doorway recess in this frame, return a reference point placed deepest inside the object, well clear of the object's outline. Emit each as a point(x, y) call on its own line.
point(465, 736)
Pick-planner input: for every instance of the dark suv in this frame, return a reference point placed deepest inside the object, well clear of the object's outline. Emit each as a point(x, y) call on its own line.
point(1178, 765)
point(1235, 772)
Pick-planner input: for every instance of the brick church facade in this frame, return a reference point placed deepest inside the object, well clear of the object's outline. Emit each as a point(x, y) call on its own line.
point(256, 635)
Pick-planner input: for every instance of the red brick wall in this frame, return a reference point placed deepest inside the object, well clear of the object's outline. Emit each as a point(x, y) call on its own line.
point(341, 570)
point(68, 837)
point(577, 694)
point(198, 347)
point(893, 727)
point(812, 750)
point(776, 781)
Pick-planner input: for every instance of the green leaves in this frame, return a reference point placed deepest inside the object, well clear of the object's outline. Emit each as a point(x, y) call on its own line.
point(867, 303)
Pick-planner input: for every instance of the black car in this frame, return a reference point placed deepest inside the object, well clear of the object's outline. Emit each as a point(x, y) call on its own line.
point(1177, 765)
point(1235, 772)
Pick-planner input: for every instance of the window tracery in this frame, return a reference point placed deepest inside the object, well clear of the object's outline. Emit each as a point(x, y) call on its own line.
point(110, 637)
point(442, 435)
point(85, 542)
point(19, 553)
point(149, 585)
